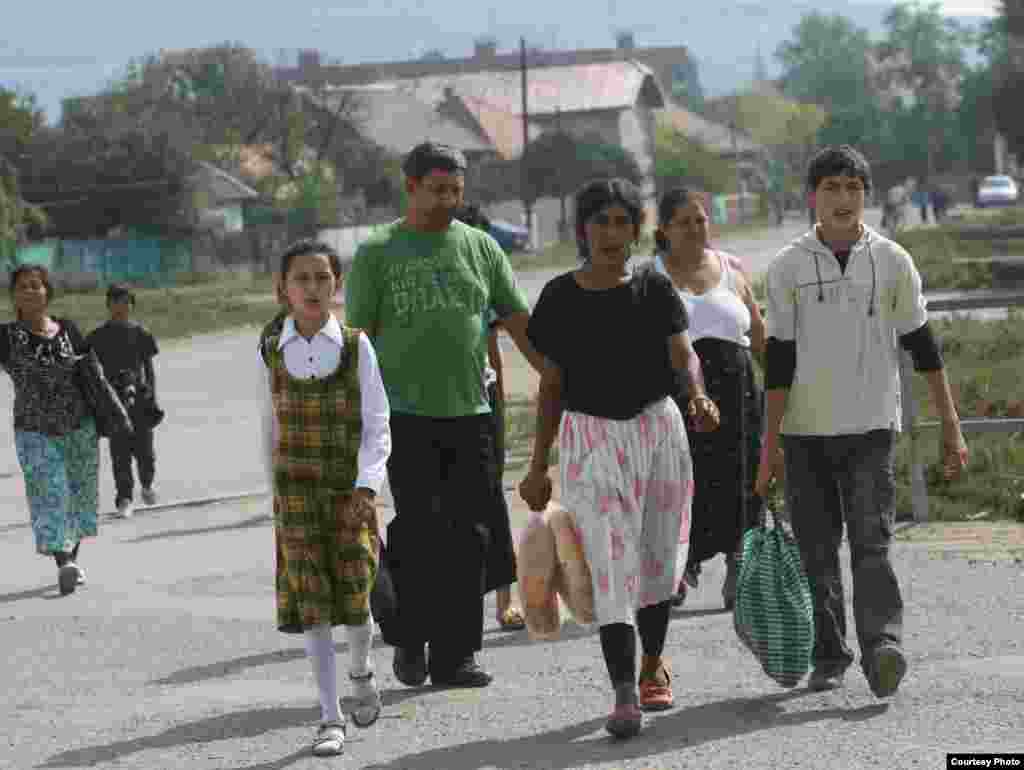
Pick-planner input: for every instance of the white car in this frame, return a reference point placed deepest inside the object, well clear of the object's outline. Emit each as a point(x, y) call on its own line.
point(997, 191)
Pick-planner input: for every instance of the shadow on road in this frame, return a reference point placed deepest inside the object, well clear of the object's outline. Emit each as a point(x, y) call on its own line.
point(575, 746)
point(239, 724)
point(31, 593)
point(232, 666)
point(171, 534)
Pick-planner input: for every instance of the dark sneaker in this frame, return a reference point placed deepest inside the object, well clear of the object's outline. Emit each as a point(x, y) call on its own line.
point(467, 673)
point(885, 670)
point(67, 578)
point(823, 679)
point(410, 666)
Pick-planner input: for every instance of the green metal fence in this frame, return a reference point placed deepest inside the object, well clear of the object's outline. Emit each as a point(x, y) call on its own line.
point(100, 262)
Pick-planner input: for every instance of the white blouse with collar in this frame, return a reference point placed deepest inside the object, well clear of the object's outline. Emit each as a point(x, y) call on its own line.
point(318, 358)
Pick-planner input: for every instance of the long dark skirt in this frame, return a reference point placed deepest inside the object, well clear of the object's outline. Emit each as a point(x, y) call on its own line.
point(501, 554)
point(725, 461)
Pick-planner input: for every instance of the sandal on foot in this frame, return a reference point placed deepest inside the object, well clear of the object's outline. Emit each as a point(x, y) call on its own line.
point(367, 706)
point(512, 620)
point(330, 740)
point(655, 696)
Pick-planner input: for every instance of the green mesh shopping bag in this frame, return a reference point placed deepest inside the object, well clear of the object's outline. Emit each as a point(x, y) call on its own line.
point(774, 614)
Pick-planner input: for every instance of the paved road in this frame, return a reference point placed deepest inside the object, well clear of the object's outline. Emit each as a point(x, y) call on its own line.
point(168, 659)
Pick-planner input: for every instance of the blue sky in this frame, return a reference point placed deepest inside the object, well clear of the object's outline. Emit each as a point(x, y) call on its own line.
point(77, 49)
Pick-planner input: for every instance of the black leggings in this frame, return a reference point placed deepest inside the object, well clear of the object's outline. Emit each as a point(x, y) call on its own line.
point(63, 558)
point(618, 641)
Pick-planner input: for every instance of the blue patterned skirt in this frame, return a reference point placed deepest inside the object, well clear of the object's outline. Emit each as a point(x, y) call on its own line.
point(61, 484)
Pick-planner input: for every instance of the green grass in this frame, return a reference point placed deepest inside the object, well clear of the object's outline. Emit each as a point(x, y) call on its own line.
point(934, 250)
point(198, 305)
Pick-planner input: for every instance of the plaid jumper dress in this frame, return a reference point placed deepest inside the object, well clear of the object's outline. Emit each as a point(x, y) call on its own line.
point(326, 548)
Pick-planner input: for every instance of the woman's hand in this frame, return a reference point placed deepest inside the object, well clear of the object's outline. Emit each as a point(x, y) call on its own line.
point(703, 413)
point(535, 489)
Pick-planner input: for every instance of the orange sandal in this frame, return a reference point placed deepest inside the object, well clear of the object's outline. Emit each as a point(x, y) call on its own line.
point(655, 696)
point(512, 620)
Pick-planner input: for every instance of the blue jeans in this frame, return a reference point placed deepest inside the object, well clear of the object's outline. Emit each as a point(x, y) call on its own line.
point(832, 480)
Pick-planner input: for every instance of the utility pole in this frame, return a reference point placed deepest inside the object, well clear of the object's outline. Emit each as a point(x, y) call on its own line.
point(524, 180)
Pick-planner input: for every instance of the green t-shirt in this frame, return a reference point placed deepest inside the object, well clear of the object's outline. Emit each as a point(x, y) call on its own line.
point(423, 299)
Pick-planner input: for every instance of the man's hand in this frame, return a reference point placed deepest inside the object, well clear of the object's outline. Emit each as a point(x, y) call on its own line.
point(953, 450)
point(535, 489)
point(769, 467)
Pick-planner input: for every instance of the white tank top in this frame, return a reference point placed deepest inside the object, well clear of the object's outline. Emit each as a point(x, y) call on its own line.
point(719, 312)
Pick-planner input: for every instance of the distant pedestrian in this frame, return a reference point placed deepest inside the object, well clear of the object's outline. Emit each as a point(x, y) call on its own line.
point(842, 300)
point(615, 349)
point(54, 433)
point(327, 443)
point(725, 325)
point(126, 350)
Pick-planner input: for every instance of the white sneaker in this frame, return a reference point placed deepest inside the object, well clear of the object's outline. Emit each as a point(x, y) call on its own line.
point(125, 509)
point(81, 576)
point(148, 496)
point(330, 740)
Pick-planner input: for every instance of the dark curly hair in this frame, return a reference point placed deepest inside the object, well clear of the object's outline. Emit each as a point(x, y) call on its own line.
point(843, 160)
point(594, 197)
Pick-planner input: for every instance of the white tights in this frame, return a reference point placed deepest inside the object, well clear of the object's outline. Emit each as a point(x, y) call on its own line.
point(320, 650)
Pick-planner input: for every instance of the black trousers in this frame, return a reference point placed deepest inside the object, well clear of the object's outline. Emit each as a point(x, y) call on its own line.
point(137, 445)
point(441, 476)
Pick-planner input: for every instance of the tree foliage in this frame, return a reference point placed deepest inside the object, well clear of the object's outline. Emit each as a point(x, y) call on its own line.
point(680, 160)
point(1006, 39)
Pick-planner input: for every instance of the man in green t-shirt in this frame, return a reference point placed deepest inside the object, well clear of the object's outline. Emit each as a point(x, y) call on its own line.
point(421, 288)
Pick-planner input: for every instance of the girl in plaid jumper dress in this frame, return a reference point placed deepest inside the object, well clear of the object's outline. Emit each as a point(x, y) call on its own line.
point(327, 441)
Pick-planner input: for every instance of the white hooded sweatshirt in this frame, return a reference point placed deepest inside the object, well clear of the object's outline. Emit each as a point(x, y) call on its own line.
point(847, 327)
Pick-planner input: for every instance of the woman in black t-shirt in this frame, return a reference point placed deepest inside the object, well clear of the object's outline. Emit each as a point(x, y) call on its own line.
point(54, 433)
point(615, 348)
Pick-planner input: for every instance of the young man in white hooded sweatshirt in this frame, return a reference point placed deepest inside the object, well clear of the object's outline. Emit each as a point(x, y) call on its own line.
point(842, 300)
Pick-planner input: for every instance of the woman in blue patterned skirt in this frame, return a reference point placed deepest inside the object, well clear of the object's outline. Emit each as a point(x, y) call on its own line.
point(54, 432)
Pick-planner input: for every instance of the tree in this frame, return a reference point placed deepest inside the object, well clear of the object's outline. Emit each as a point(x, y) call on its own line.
point(923, 55)
point(90, 185)
point(826, 63)
point(20, 121)
point(788, 129)
point(557, 164)
point(215, 102)
point(680, 160)
point(1006, 39)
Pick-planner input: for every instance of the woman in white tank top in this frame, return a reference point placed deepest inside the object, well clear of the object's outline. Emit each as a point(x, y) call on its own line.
point(725, 324)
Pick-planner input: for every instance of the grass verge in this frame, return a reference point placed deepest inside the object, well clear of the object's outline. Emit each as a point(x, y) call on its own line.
point(197, 307)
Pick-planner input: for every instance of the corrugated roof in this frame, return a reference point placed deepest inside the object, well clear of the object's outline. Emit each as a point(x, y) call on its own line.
point(495, 98)
point(398, 121)
point(712, 135)
point(222, 186)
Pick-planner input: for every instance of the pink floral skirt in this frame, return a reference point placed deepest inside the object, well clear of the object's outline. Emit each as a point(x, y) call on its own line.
point(630, 485)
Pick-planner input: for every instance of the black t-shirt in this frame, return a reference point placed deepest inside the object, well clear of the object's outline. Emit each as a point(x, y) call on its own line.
point(611, 344)
point(122, 346)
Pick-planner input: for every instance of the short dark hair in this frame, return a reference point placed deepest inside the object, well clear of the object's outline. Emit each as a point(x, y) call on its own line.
point(308, 246)
point(431, 156)
point(670, 201)
point(594, 197)
point(120, 292)
point(474, 217)
point(44, 276)
point(842, 160)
